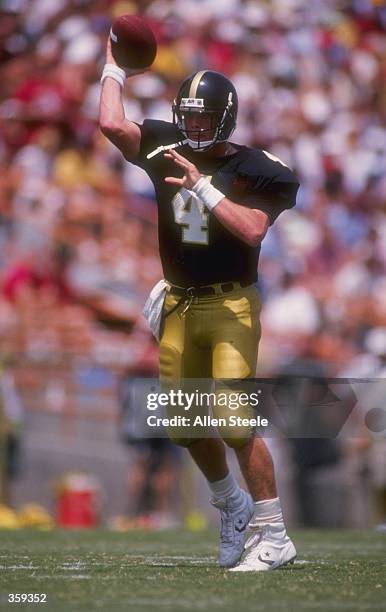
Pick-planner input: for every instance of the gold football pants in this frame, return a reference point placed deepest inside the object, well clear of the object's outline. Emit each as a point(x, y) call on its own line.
point(216, 338)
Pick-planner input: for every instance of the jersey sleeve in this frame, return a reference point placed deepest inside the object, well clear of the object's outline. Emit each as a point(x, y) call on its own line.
point(272, 191)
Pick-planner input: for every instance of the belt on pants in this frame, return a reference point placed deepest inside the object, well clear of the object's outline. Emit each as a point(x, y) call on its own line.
point(207, 290)
point(187, 294)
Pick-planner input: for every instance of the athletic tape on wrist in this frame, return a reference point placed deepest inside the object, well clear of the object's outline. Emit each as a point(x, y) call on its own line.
point(208, 194)
point(114, 72)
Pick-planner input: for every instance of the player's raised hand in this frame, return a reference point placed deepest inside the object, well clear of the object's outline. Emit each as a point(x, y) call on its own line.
point(110, 60)
point(191, 174)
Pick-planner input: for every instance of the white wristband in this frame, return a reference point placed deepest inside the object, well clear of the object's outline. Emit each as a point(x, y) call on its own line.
point(208, 194)
point(114, 72)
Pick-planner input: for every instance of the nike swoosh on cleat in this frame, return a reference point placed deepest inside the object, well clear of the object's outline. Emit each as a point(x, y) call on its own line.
point(267, 561)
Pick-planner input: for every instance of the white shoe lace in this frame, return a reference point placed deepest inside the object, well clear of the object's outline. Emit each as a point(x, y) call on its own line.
point(226, 530)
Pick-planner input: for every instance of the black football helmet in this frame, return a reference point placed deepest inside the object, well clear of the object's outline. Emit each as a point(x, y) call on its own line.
point(212, 94)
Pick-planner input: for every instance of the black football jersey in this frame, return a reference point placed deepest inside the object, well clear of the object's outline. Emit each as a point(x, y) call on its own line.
point(195, 248)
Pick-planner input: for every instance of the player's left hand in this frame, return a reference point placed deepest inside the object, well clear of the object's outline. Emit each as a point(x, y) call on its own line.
point(191, 176)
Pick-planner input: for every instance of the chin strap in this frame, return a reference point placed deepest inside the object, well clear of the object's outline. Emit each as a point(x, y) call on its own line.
point(166, 148)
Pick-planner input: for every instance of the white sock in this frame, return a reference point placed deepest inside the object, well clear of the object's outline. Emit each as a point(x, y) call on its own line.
point(269, 512)
point(227, 488)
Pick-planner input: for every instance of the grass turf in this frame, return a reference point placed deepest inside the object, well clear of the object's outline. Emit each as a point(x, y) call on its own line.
point(177, 571)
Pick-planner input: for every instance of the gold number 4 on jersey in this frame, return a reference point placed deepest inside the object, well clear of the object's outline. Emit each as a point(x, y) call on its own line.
point(191, 214)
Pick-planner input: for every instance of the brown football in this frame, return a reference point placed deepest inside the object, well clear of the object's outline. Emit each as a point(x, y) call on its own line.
point(133, 43)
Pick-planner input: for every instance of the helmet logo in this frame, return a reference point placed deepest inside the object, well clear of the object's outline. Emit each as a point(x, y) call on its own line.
point(192, 102)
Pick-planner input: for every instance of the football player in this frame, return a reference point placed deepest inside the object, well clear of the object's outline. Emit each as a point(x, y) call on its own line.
point(216, 200)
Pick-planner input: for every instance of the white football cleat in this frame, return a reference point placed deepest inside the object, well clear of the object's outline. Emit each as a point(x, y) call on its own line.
point(264, 550)
point(234, 523)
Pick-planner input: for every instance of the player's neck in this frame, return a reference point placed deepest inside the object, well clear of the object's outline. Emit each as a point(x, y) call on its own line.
point(221, 149)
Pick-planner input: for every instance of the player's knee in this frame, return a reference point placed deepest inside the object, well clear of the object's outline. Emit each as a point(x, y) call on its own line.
point(179, 440)
point(236, 443)
point(236, 439)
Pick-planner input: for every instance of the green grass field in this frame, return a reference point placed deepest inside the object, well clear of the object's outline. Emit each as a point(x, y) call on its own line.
point(176, 570)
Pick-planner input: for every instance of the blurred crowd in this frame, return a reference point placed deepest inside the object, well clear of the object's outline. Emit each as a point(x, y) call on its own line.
point(78, 240)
